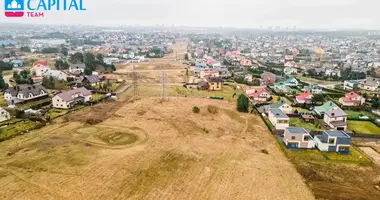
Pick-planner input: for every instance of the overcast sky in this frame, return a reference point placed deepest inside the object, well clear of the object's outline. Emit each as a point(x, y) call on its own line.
point(355, 14)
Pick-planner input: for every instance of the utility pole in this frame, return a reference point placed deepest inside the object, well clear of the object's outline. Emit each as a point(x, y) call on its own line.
point(164, 86)
point(135, 83)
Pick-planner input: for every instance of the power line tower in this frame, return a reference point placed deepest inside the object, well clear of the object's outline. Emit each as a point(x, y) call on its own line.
point(164, 93)
point(135, 83)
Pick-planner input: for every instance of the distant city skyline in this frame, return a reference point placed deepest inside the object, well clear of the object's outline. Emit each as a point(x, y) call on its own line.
point(322, 14)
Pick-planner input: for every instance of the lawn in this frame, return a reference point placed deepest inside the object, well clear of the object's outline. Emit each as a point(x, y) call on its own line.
point(97, 96)
point(3, 103)
point(274, 99)
point(357, 114)
point(297, 122)
point(113, 87)
point(54, 113)
point(365, 127)
point(15, 129)
point(355, 156)
point(32, 103)
point(301, 110)
point(316, 81)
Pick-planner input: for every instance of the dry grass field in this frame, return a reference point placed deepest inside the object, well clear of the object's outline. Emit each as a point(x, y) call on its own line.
point(149, 149)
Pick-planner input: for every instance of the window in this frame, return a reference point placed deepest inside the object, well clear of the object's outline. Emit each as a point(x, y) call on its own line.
point(306, 138)
point(293, 137)
point(58, 100)
point(331, 140)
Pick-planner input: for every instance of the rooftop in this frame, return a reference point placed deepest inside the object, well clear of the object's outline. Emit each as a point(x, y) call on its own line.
point(337, 133)
point(336, 113)
point(278, 113)
point(297, 130)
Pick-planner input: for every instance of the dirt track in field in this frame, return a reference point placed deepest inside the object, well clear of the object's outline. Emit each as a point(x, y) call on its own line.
point(178, 155)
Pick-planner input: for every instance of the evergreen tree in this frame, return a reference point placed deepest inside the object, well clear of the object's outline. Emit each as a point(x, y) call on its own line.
point(242, 103)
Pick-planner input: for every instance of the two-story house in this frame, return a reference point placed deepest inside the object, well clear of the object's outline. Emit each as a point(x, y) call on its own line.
point(333, 141)
point(279, 120)
point(39, 68)
point(352, 99)
point(370, 84)
point(20, 93)
point(69, 99)
point(215, 83)
point(305, 97)
point(328, 106)
point(298, 138)
point(4, 115)
point(351, 85)
point(336, 119)
point(261, 96)
point(77, 68)
point(59, 75)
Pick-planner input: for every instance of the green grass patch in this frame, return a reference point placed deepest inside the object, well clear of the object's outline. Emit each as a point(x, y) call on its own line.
point(97, 96)
point(357, 114)
point(297, 122)
point(364, 127)
point(354, 156)
point(15, 129)
point(54, 112)
point(3, 103)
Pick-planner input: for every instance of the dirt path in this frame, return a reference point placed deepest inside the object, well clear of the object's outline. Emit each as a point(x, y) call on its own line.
point(372, 154)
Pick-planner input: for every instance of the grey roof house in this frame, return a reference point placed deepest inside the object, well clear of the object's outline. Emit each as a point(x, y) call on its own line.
point(20, 93)
point(333, 141)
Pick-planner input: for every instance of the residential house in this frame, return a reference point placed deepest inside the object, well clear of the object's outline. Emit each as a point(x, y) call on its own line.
point(281, 87)
point(283, 106)
point(352, 99)
point(279, 120)
point(20, 93)
point(290, 70)
point(211, 72)
point(91, 80)
point(60, 75)
point(351, 85)
point(314, 89)
point(333, 141)
point(248, 77)
point(336, 119)
point(370, 84)
point(4, 115)
point(69, 99)
point(245, 62)
point(326, 107)
point(305, 97)
point(308, 118)
point(39, 68)
point(252, 89)
point(268, 78)
point(291, 82)
point(17, 63)
point(261, 96)
point(77, 68)
point(203, 85)
point(290, 64)
point(298, 138)
point(215, 83)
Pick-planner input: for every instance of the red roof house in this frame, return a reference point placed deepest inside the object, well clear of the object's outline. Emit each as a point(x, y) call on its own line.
point(261, 96)
point(304, 97)
point(352, 99)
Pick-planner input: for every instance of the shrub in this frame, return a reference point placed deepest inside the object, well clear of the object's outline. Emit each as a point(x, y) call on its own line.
point(205, 130)
point(196, 109)
point(212, 109)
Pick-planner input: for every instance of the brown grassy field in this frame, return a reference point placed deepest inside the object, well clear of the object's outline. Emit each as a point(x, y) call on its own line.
point(150, 149)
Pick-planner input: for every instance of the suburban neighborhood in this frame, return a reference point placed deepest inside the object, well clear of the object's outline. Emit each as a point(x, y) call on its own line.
point(315, 97)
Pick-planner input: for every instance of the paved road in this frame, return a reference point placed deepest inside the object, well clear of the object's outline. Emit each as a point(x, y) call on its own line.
point(123, 89)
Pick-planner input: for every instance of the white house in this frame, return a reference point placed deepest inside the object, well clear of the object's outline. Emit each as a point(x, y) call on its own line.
point(60, 75)
point(69, 99)
point(336, 119)
point(21, 93)
point(4, 115)
point(279, 120)
point(77, 68)
point(260, 96)
point(39, 68)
